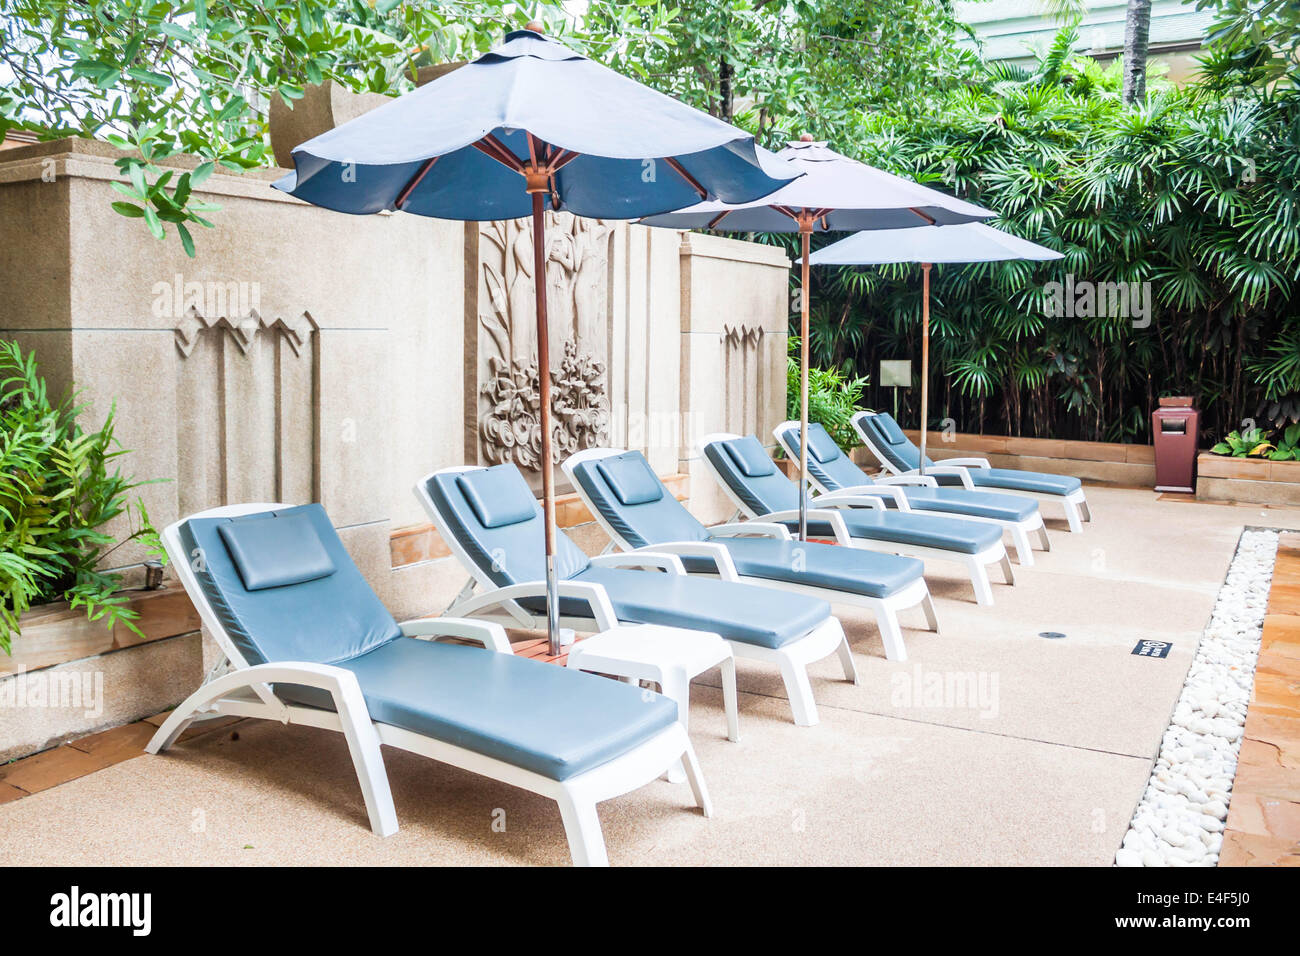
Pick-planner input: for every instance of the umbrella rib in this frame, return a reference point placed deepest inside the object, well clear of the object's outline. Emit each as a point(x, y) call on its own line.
point(680, 170)
point(718, 218)
point(563, 159)
point(405, 194)
point(929, 220)
point(494, 148)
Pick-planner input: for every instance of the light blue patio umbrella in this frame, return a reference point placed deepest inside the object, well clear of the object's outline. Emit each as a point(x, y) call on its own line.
point(835, 194)
point(531, 126)
point(973, 242)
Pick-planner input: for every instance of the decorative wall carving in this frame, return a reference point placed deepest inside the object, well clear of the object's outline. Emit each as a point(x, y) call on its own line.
point(744, 370)
point(245, 398)
point(577, 300)
point(242, 331)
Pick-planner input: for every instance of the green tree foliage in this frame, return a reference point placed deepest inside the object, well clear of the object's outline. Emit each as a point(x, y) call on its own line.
point(160, 78)
point(57, 493)
point(1193, 193)
point(1255, 41)
point(779, 68)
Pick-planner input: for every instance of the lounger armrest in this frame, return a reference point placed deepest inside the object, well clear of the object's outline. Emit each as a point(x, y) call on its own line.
point(843, 499)
point(716, 553)
point(946, 469)
point(751, 529)
point(602, 608)
point(966, 462)
point(830, 516)
point(893, 494)
point(490, 635)
point(640, 559)
point(910, 478)
point(341, 685)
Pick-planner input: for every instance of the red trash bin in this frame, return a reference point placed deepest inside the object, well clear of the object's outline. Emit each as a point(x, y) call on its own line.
point(1175, 426)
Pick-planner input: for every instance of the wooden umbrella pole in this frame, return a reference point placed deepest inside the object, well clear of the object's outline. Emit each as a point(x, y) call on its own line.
point(805, 236)
point(544, 390)
point(925, 358)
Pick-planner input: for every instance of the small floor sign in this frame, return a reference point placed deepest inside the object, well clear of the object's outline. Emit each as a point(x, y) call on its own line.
point(1152, 648)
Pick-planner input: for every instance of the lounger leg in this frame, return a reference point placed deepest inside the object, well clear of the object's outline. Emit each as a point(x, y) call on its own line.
point(582, 827)
point(846, 660)
point(799, 690)
point(979, 579)
point(1043, 539)
point(172, 727)
point(1086, 509)
point(1007, 573)
point(729, 701)
point(1072, 516)
point(931, 615)
point(675, 685)
point(1024, 550)
point(890, 634)
point(695, 777)
point(363, 745)
point(189, 711)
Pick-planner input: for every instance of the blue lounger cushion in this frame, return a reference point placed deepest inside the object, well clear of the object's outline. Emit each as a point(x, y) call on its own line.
point(499, 496)
point(905, 456)
point(324, 620)
point(738, 612)
point(547, 719)
point(959, 502)
point(836, 470)
point(827, 464)
point(840, 569)
point(751, 458)
point(527, 713)
point(276, 551)
point(1012, 480)
point(631, 478)
point(512, 554)
point(850, 570)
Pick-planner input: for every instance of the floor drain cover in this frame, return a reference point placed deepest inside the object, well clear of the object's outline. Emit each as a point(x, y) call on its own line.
point(1051, 635)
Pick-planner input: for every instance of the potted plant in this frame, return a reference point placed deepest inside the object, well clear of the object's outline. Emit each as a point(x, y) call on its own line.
point(59, 488)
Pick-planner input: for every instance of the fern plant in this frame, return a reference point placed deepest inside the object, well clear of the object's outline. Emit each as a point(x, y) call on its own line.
point(832, 398)
point(59, 487)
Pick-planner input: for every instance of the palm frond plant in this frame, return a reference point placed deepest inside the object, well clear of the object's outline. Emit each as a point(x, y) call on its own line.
point(59, 489)
point(1187, 204)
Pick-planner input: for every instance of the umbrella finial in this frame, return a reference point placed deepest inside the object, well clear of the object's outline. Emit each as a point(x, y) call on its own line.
point(535, 26)
point(806, 138)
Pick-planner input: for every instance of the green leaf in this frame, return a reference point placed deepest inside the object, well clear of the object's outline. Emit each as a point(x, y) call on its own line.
point(155, 226)
point(130, 210)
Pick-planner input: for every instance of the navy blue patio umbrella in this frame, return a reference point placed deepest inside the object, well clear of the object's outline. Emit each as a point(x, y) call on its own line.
point(968, 243)
point(527, 127)
point(835, 194)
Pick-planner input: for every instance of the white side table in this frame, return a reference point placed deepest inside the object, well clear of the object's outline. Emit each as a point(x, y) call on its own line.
point(668, 656)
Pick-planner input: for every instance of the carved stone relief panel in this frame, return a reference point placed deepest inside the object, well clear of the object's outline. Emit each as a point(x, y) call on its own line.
point(744, 378)
point(245, 396)
point(501, 336)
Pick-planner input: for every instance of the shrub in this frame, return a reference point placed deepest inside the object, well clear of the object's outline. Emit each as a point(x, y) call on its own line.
point(832, 398)
point(56, 495)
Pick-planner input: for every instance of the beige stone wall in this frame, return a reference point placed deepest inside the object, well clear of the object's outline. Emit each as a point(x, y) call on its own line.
point(307, 355)
point(734, 325)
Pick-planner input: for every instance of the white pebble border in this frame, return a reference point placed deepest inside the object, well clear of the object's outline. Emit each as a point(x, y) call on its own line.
point(1180, 819)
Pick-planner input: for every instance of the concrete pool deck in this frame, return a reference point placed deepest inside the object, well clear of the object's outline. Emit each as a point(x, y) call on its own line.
point(991, 745)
